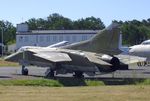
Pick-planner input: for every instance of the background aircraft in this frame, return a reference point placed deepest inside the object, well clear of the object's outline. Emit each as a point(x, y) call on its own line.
point(142, 49)
point(98, 54)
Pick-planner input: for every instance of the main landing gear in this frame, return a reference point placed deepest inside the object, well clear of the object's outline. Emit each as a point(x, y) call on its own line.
point(78, 74)
point(50, 73)
point(24, 71)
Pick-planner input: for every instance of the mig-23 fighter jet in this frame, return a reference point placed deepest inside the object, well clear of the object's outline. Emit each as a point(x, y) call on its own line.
point(98, 54)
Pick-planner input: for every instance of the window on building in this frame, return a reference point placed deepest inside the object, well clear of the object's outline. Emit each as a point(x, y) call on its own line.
point(20, 39)
point(48, 38)
point(74, 38)
point(37, 40)
point(41, 38)
point(67, 38)
point(84, 37)
point(55, 38)
point(60, 38)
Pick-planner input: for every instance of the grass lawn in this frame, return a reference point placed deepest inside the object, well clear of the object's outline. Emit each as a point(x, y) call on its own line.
point(6, 63)
point(99, 93)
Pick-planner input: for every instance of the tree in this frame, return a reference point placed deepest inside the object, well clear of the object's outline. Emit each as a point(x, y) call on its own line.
point(134, 32)
point(9, 32)
point(58, 22)
point(32, 23)
point(53, 22)
point(89, 23)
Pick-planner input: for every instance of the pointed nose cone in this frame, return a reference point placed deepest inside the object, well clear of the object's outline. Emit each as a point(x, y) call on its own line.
point(15, 57)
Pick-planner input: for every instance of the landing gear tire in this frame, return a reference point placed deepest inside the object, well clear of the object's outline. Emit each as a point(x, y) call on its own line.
point(78, 74)
point(24, 71)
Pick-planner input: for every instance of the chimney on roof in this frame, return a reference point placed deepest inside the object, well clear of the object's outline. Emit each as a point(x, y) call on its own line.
point(23, 27)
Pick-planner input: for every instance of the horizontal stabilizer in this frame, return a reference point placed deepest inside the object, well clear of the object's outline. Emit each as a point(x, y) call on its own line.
point(128, 59)
point(95, 59)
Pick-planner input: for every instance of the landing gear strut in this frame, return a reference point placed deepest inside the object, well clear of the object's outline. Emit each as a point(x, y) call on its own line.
point(78, 74)
point(24, 71)
point(50, 73)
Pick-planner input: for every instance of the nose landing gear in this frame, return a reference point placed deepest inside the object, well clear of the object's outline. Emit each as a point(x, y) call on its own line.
point(24, 70)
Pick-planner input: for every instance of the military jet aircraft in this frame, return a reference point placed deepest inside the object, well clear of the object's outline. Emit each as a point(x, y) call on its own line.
point(142, 49)
point(94, 55)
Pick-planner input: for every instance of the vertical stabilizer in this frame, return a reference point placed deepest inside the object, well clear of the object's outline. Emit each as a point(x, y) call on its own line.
point(106, 41)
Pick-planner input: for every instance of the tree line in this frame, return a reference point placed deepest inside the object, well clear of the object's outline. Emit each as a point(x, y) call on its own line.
point(58, 22)
point(134, 32)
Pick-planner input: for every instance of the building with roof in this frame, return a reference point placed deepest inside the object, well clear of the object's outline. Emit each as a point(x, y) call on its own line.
point(26, 37)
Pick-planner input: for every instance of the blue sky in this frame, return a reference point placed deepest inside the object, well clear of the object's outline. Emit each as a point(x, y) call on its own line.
point(17, 11)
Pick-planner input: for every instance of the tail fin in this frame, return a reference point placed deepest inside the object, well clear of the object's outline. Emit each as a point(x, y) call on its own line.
point(106, 41)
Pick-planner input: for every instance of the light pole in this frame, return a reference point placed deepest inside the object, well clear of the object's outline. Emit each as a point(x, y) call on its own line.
point(2, 41)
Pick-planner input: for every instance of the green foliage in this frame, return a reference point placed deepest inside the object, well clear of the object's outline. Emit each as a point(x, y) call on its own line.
point(134, 32)
point(11, 42)
point(72, 82)
point(38, 82)
point(58, 22)
point(94, 83)
point(50, 82)
point(9, 32)
point(89, 23)
point(144, 82)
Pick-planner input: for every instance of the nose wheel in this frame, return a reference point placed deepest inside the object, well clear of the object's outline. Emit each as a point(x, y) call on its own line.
point(24, 71)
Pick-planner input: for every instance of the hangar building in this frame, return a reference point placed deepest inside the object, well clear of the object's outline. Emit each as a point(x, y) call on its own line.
point(26, 37)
